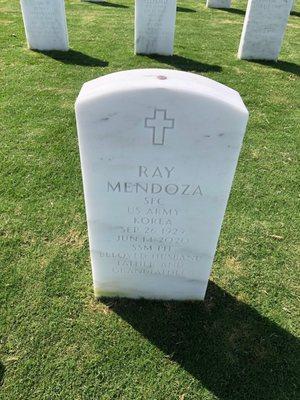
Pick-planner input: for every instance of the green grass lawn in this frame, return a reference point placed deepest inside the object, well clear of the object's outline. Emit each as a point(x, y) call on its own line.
point(56, 341)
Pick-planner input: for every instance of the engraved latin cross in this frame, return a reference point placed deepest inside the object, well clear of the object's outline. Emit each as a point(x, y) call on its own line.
point(159, 123)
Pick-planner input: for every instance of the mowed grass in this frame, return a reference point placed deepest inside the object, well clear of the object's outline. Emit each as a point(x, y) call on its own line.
point(56, 341)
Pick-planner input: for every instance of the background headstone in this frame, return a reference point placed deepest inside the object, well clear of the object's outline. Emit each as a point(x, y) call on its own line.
point(263, 31)
point(154, 26)
point(158, 151)
point(218, 3)
point(45, 24)
point(293, 5)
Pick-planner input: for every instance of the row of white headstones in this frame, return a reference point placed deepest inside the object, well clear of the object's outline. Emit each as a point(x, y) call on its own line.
point(262, 35)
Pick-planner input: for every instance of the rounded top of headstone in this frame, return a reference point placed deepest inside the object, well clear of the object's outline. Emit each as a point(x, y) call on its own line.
point(163, 79)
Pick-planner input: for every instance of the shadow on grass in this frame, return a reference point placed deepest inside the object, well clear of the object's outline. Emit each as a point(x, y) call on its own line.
point(106, 4)
point(235, 352)
point(185, 9)
point(295, 13)
point(74, 57)
point(2, 371)
point(282, 65)
point(185, 64)
point(233, 11)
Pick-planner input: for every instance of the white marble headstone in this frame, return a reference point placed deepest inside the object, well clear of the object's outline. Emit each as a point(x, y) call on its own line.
point(45, 24)
point(218, 3)
point(154, 26)
point(158, 151)
point(264, 26)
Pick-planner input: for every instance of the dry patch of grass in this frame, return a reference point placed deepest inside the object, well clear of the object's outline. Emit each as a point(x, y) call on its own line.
point(233, 264)
point(73, 238)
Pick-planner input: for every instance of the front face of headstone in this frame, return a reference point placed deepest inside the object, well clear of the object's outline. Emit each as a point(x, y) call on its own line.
point(45, 24)
point(158, 152)
point(263, 29)
point(154, 26)
point(218, 3)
